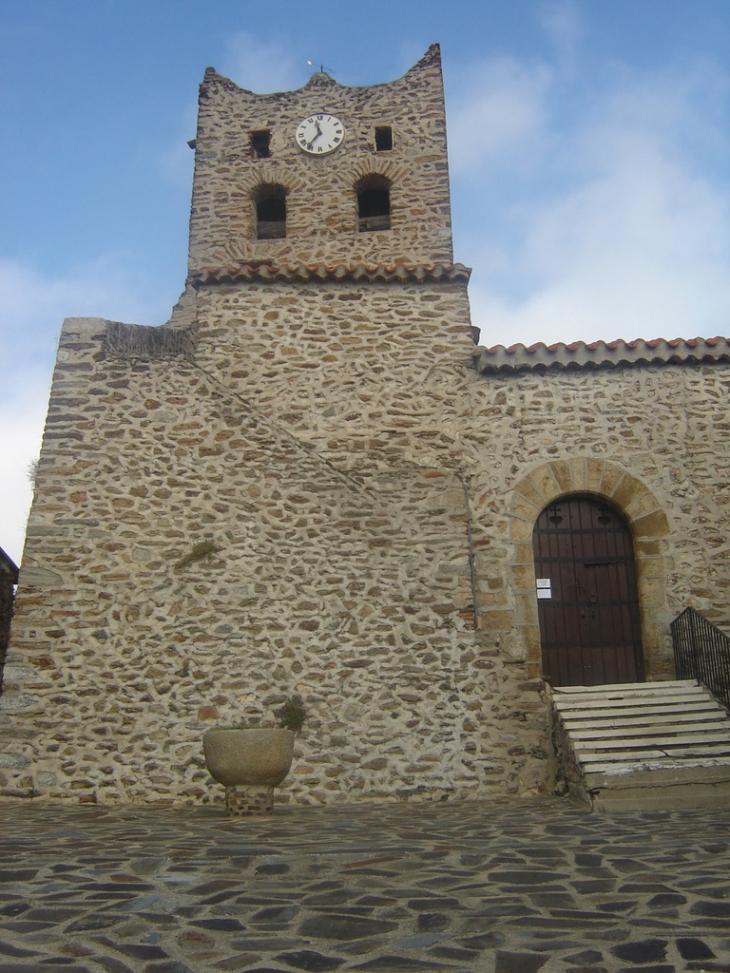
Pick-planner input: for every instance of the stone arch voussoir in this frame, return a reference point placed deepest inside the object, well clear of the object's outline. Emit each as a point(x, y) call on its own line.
point(394, 173)
point(275, 175)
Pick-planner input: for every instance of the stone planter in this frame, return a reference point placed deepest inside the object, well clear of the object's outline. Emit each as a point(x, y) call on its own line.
point(249, 764)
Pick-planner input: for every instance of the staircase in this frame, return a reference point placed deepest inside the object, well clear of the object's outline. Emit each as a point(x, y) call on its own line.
point(643, 745)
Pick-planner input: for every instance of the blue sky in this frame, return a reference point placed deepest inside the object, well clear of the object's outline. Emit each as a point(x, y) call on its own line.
point(589, 145)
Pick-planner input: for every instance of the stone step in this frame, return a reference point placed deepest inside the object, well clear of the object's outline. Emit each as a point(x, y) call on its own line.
point(627, 688)
point(705, 713)
point(671, 733)
point(651, 785)
point(601, 772)
point(587, 703)
point(710, 751)
point(658, 730)
point(641, 744)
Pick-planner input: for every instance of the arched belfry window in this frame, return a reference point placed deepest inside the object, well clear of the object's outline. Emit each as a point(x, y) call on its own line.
point(373, 203)
point(270, 202)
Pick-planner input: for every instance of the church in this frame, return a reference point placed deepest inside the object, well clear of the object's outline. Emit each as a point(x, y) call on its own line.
point(314, 480)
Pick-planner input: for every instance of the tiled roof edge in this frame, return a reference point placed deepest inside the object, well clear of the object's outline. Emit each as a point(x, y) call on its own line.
point(600, 354)
point(254, 271)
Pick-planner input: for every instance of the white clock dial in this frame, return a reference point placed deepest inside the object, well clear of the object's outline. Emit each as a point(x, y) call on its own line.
point(320, 134)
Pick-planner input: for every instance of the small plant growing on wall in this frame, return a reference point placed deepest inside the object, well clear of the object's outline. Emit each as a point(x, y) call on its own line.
point(292, 714)
point(203, 551)
point(32, 471)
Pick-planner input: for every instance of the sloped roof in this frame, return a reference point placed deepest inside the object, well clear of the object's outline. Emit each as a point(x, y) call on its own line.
point(600, 354)
point(259, 271)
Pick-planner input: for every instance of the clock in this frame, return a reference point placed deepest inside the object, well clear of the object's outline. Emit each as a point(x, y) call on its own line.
point(320, 134)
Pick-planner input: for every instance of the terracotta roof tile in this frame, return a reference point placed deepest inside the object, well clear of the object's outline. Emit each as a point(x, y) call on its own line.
point(260, 271)
point(601, 354)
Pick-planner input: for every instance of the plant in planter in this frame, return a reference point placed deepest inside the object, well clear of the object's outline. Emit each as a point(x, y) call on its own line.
point(250, 761)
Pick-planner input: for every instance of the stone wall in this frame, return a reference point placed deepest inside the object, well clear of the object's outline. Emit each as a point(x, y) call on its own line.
point(313, 435)
point(654, 440)
point(321, 438)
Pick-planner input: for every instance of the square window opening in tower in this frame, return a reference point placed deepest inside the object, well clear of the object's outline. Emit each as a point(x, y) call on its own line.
point(373, 203)
point(383, 138)
point(261, 144)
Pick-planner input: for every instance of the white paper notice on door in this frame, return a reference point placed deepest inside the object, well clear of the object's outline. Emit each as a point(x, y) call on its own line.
point(544, 588)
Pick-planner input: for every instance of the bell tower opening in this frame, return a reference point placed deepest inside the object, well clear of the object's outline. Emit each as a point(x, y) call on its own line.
point(259, 146)
point(270, 201)
point(383, 138)
point(373, 203)
point(326, 175)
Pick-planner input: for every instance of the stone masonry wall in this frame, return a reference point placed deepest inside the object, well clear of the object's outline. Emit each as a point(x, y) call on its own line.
point(653, 440)
point(312, 434)
point(321, 438)
point(321, 200)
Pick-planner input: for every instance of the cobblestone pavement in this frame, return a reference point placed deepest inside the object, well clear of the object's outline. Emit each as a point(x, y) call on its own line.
point(495, 887)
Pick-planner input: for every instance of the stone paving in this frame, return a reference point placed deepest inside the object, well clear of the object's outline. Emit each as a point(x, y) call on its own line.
point(495, 887)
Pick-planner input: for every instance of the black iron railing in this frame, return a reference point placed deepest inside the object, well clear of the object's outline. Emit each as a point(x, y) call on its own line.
point(702, 652)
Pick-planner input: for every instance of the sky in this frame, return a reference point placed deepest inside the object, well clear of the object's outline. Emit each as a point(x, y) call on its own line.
point(588, 152)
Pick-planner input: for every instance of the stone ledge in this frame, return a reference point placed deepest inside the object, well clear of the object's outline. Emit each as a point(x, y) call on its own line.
point(271, 273)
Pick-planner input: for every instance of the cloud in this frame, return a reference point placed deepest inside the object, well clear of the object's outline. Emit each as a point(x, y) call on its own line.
point(499, 115)
point(562, 22)
point(263, 66)
point(622, 226)
point(176, 162)
point(22, 429)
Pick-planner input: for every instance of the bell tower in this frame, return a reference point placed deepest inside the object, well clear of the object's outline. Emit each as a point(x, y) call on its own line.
point(266, 495)
point(326, 175)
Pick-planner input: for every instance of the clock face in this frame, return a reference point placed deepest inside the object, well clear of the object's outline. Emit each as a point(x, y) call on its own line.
point(320, 134)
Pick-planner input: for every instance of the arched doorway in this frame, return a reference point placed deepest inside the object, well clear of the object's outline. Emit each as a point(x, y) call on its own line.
point(588, 605)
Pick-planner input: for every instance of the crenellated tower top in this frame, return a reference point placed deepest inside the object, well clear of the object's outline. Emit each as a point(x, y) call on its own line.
point(327, 175)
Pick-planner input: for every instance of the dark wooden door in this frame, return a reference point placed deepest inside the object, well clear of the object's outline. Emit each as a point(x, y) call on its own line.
point(588, 603)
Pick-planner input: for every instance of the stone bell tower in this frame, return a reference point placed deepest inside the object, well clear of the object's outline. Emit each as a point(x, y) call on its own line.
point(267, 495)
point(372, 188)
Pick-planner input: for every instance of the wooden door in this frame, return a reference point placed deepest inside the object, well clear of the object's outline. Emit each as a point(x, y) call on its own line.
point(588, 605)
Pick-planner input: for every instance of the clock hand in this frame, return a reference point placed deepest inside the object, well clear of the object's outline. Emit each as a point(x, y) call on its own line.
point(319, 132)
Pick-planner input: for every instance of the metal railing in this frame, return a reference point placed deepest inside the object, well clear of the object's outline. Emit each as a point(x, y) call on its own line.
point(702, 652)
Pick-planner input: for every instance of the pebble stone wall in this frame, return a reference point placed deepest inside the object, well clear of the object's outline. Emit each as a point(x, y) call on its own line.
point(319, 449)
point(653, 440)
